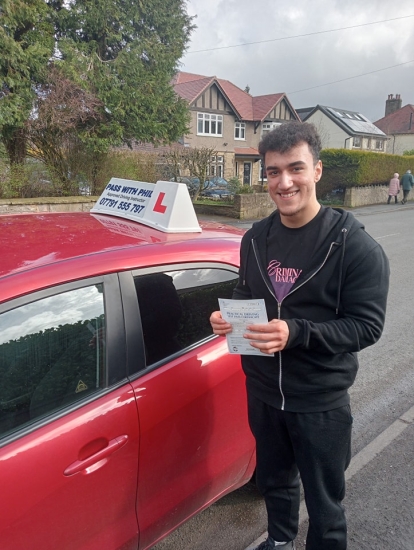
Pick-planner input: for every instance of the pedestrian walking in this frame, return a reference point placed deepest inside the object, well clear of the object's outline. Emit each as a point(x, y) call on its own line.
point(324, 281)
point(394, 188)
point(407, 183)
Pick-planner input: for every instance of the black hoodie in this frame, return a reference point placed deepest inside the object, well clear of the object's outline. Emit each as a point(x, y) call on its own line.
point(337, 309)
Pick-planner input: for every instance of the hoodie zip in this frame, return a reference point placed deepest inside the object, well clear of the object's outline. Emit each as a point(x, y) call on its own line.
point(279, 304)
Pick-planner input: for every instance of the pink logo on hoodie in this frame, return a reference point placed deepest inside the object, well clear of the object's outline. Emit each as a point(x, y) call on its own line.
point(283, 278)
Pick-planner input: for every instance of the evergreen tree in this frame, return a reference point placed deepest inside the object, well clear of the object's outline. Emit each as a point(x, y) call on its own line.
point(26, 45)
point(123, 52)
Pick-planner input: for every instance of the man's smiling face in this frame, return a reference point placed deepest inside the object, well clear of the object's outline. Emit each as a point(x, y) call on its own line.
point(291, 180)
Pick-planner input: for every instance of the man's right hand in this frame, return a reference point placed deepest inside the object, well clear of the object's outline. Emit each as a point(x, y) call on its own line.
point(219, 325)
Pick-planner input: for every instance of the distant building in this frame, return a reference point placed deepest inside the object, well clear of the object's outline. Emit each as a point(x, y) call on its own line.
point(398, 124)
point(343, 129)
point(231, 120)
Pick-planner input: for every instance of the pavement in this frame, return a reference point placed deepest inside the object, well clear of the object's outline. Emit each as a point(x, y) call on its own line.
point(379, 502)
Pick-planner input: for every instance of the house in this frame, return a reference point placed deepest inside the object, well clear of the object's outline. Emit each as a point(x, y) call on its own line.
point(398, 124)
point(232, 121)
point(343, 129)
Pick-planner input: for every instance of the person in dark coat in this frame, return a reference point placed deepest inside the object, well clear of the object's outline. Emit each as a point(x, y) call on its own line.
point(407, 183)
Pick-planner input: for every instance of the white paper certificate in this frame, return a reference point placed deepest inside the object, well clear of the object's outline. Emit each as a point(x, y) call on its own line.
point(241, 313)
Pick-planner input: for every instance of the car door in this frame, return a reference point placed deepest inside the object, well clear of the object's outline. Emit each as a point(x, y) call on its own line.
point(195, 443)
point(68, 421)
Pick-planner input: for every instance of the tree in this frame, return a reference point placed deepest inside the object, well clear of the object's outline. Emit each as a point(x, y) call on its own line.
point(197, 161)
point(63, 115)
point(26, 45)
point(174, 161)
point(126, 53)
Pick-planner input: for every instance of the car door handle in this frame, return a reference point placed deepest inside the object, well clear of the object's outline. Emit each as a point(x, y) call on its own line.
point(80, 465)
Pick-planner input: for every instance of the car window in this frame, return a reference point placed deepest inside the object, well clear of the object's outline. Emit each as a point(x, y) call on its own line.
point(175, 307)
point(51, 354)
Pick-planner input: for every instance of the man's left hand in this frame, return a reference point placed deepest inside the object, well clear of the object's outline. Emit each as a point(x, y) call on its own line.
point(268, 338)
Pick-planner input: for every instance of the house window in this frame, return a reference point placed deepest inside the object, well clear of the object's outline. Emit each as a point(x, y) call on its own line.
point(215, 167)
point(357, 141)
point(379, 144)
point(268, 126)
point(209, 124)
point(239, 130)
point(263, 175)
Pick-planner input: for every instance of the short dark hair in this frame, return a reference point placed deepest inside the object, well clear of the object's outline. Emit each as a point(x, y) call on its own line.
point(290, 134)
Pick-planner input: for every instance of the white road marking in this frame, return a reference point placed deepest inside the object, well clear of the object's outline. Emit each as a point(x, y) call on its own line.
point(385, 236)
point(361, 459)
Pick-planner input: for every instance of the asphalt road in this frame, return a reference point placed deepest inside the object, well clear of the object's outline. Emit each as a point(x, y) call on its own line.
point(380, 487)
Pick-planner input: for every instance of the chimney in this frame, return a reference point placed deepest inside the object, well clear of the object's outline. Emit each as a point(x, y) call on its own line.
point(393, 104)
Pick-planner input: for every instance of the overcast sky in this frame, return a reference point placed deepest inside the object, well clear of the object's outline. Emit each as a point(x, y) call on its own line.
point(303, 67)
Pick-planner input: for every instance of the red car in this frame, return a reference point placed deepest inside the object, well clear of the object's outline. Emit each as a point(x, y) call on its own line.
point(121, 415)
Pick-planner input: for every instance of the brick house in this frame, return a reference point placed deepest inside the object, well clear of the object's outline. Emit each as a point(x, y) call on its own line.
point(232, 121)
point(398, 124)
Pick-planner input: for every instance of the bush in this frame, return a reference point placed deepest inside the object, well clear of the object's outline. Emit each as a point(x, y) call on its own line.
point(344, 168)
point(245, 189)
point(237, 188)
point(32, 179)
point(234, 185)
point(125, 164)
point(27, 180)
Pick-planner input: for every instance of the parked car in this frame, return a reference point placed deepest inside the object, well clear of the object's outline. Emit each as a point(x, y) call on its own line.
point(217, 193)
point(192, 183)
point(216, 181)
point(217, 188)
point(121, 414)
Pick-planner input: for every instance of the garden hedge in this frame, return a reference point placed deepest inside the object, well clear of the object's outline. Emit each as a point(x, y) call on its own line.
point(344, 168)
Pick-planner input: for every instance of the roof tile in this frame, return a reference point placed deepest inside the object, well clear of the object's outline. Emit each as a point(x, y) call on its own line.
point(191, 89)
point(241, 100)
point(247, 151)
point(189, 86)
point(262, 104)
point(400, 122)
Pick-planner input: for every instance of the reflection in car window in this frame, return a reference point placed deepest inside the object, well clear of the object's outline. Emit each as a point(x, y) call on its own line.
point(176, 306)
point(51, 354)
point(188, 278)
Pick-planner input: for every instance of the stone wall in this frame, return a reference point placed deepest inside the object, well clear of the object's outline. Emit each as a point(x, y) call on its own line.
point(47, 204)
point(230, 211)
point(252, 206)
point(364, 196)
point(245, 207)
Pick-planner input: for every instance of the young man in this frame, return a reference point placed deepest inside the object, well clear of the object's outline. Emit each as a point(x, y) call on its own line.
point(325, 282)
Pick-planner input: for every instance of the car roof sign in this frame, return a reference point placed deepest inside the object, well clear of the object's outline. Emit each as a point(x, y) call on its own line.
point(165, 206)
